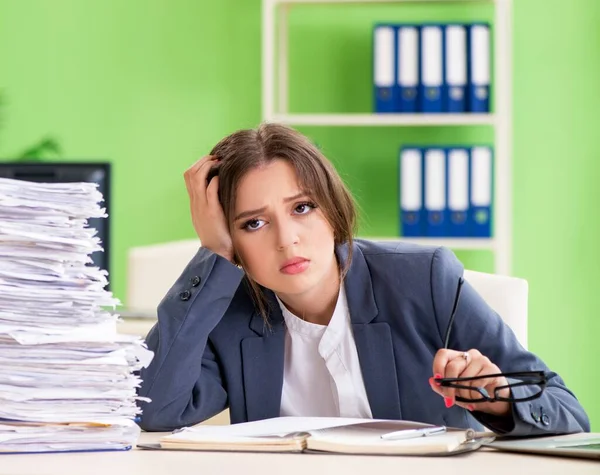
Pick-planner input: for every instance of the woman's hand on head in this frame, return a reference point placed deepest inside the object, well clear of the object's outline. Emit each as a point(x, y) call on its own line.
point(454, 364)
point(208, 217)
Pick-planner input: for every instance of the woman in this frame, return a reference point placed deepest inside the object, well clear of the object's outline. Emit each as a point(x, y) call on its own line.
point(282, 313)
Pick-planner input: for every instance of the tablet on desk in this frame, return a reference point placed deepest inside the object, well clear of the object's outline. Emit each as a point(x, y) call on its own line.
point(583, 445)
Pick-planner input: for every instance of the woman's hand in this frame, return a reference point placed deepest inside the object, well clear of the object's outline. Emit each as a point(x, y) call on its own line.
point(207, 214)
point(461, 364)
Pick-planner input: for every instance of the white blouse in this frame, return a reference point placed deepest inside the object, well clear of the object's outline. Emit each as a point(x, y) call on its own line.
point(322, 375)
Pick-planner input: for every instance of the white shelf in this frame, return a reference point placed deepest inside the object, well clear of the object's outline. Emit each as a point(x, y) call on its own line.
point(277, 2)
point(452, 243)
point(275, 108)
point(377, 120)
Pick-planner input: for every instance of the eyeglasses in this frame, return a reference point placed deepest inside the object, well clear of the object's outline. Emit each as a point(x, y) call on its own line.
point(537, 379)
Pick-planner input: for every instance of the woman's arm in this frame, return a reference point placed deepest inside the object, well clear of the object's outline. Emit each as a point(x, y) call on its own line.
point(183, 381)
point(477, 326)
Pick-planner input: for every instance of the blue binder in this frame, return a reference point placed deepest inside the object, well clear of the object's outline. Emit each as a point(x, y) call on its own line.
point(455, 68)
point(479, 67)
point(480, 212)
point(385, 86)
point(412, 215)
point(407, 60)
point(436, 195)
point(457, 166)
point(432, 68)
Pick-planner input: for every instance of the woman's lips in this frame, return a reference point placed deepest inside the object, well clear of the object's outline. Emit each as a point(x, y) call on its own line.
point(295, 265)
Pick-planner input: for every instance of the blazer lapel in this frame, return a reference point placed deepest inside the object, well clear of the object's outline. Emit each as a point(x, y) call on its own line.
point(376, 356)
point(373, 339)
point(262, 363)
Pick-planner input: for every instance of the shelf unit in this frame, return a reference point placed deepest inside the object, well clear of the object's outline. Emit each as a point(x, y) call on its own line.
point(275, 95)
point(378, 120)
point(453, 243)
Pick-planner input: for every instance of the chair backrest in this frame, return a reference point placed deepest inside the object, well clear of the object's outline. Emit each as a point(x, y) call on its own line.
point(152, 270)
point(507, 296)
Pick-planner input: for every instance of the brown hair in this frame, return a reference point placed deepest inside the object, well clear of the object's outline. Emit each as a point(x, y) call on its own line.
point(245, 150)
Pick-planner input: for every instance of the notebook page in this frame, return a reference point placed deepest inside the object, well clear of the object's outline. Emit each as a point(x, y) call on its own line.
point(280, 426)
point(361, 439)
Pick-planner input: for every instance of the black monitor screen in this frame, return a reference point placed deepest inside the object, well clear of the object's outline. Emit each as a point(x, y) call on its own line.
point(47, 172)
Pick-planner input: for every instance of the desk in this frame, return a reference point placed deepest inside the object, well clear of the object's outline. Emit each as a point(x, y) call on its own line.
point(485, 461)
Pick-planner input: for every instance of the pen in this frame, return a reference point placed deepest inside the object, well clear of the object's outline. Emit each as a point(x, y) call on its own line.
point(413, 433)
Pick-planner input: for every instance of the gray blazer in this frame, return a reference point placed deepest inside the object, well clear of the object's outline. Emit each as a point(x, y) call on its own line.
point(213, 350)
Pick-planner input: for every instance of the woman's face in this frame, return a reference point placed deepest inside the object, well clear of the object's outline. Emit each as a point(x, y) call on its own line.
point(282, 237)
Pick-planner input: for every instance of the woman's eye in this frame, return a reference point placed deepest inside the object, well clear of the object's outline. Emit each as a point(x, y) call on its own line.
point(254, 224)
point(304, 208)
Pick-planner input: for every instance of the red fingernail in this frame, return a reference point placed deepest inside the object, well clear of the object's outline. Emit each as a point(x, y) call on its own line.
point(471, 407)
point(437, 376)
point(448, 401)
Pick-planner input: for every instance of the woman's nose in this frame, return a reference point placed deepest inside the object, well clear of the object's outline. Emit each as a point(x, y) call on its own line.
point(287, 236)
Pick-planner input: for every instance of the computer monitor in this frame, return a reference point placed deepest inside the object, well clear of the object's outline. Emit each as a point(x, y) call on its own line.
point(63, 172)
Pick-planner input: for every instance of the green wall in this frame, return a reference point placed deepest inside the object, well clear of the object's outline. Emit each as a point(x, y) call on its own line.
point(151, 85)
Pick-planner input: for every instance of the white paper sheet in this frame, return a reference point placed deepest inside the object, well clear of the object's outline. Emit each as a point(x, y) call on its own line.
point(273, 426)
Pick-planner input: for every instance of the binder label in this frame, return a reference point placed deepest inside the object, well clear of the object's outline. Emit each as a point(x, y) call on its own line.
point(435, 180)
point(456, 56)
point(384, 56)
point(432, 56)
point(481, 177)
point(480, 54)
point(410, 180)
point(408, 58)
point(458, 174)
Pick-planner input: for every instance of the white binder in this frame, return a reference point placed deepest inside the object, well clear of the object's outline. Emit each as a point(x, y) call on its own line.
point(479, 80)
point(455, 70)
point(411, 192)
point(431, 68)
point(408, 67)
point(481, 191)
point(435, 191)
point(384, 57)
point(458, 191)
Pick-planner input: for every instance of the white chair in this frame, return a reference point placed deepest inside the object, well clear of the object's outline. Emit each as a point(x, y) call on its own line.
point(507, 296)
point(152, 270)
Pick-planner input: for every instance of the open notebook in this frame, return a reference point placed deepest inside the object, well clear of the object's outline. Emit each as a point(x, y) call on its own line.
point(321, 434)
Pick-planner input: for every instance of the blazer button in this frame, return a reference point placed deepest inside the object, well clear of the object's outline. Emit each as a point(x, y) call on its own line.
point(195, 281)
point(185, 295)
point(545, 419)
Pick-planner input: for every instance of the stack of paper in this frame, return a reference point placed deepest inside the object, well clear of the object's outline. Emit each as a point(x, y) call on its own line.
point(67, 377)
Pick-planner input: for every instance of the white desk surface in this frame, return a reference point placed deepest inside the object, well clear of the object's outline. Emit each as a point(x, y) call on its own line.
point(485, 461)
